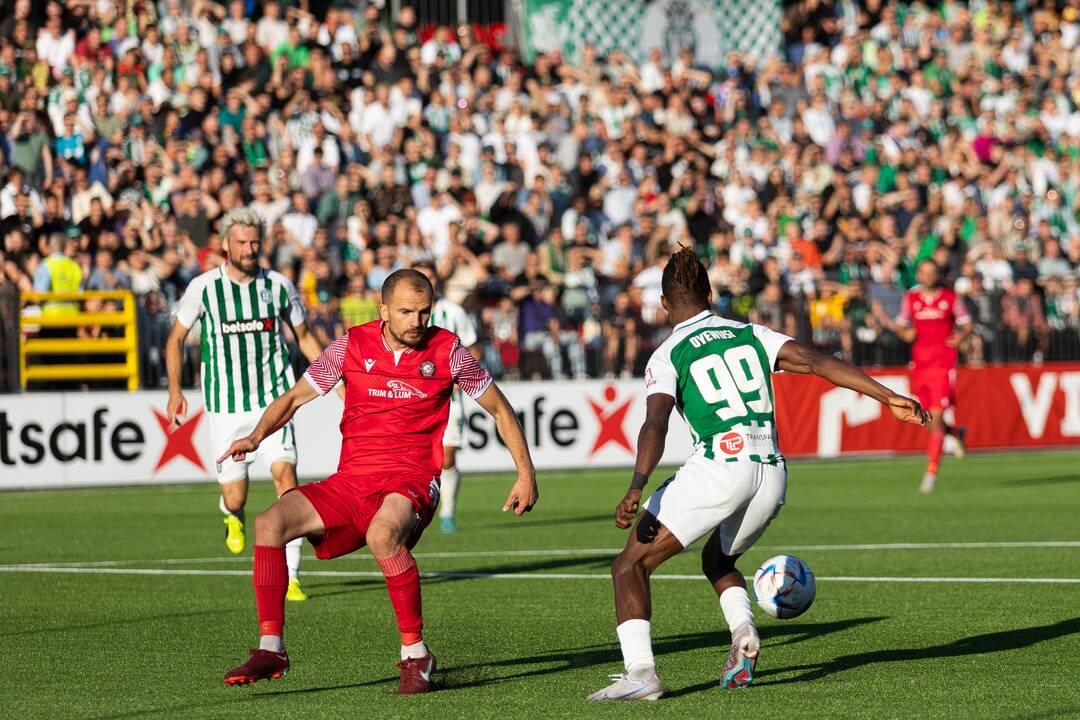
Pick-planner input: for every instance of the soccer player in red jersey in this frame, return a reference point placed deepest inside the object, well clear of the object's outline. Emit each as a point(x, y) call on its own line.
point(933, 318)
point(399, 375)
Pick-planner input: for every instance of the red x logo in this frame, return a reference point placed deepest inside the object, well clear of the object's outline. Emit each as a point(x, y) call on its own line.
point(611, 419)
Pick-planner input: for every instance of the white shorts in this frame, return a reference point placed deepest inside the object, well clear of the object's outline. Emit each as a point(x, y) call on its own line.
point(740, 498)
point(226, 427)
point(455, 426)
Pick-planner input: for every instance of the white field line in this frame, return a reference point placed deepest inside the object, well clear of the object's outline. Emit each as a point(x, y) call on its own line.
point(504, 576)
point(574, 552)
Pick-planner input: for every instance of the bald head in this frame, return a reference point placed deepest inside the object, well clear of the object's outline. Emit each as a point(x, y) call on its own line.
point(406, 308)
point(411, 279)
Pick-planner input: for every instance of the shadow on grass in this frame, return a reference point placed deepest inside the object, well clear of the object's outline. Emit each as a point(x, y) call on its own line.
point(975, 645)
point(1036, 481)
point(115, 622)
point(596, 562)
point(457, 677)
point(556, 661)
point(501, 670)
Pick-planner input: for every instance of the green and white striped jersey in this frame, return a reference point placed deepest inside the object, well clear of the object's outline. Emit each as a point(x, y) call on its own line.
point(245, 361)
point(451, 316)
point(720, 373)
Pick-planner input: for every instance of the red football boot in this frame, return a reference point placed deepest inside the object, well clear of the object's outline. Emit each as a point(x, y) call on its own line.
point(416, 675)
point(262, 665)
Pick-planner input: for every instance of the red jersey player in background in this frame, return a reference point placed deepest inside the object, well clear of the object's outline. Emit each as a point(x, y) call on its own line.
point(399, 375)
point(933, 318)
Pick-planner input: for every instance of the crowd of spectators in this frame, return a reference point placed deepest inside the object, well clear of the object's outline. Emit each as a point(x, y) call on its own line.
point(549, 194)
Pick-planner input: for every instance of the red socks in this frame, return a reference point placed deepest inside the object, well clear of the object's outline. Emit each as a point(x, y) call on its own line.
point(271, 579)
point(403, 585)
point(933, 451)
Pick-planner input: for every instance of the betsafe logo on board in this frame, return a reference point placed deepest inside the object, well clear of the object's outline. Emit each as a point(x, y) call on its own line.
point(98, 437)
point(560, 419)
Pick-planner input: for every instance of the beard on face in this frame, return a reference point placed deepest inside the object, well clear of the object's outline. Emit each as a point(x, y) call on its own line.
point(411, 337)
point(245, 265)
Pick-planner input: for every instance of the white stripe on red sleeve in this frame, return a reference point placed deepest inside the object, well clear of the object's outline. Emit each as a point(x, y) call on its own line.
point(324, 373)
point(960, 313)
point(467, 373)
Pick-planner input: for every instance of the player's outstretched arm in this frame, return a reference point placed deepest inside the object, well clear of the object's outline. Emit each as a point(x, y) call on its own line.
point(273, 418)
point(650, 448)
point(524, 494)
point(174, 359)
point(798, 358)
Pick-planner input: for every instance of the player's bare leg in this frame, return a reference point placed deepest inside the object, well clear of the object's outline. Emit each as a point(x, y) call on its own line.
point(449, 486)
point(388, 535)
point(284, 474)
point(649, 545)
point(730, 587)
point(232, 501)
point(938, 431)
point(292, 516)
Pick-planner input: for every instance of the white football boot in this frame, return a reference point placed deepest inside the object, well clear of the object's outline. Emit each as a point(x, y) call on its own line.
point(625, 688)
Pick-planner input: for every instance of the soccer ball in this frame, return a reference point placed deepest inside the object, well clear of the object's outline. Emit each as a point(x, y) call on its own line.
point(784, 587)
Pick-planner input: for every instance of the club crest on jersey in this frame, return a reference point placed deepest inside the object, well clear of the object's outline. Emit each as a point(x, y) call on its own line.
point(368, 364)
point(242, 327)
point(398, 390)
point(427, 368)
point(264, 295)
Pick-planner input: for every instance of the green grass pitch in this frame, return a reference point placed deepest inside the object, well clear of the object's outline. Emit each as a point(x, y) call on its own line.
point(89, 635)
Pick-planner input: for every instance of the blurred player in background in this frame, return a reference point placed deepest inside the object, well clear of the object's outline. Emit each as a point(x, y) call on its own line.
point(933, 318)
point(451, 316)
point(245, 366)
point(399, 375)
point(718, 373)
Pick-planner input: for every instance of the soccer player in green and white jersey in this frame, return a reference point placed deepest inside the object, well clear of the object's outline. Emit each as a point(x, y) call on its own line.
point(245, 365)
point(450, 316)
point(717, 373)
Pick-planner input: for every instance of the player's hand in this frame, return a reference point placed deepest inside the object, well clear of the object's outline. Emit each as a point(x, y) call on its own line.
point(239, 449)
point(906, 409)
point(954, 339)
point(522, 496)
point(177, 406)
point(627, 509)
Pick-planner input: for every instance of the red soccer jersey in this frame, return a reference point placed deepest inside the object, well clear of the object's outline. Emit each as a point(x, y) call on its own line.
point(396, 404)
point(934, 315)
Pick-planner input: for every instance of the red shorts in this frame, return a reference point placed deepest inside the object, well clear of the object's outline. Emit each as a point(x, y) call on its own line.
point(935, 387)
point(347, 503)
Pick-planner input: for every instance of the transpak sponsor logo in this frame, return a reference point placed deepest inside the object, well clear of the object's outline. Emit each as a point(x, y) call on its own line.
point(611, 415)
point(731, 443)
point(242, 327)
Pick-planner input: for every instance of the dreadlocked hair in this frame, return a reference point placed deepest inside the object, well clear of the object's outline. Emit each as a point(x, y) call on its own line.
point(685, 281)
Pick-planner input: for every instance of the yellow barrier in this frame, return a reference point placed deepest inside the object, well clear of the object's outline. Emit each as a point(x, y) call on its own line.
point(127, 345)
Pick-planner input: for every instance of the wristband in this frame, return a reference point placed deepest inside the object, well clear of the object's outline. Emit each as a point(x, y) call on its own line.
point(640, 481)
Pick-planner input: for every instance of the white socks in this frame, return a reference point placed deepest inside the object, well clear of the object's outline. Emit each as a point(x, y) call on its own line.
point(735, 602)
point(226, 511)
point(448, 492)
point(636, 648)
point(273, 643)
point(292, 557)
point(416, 650)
